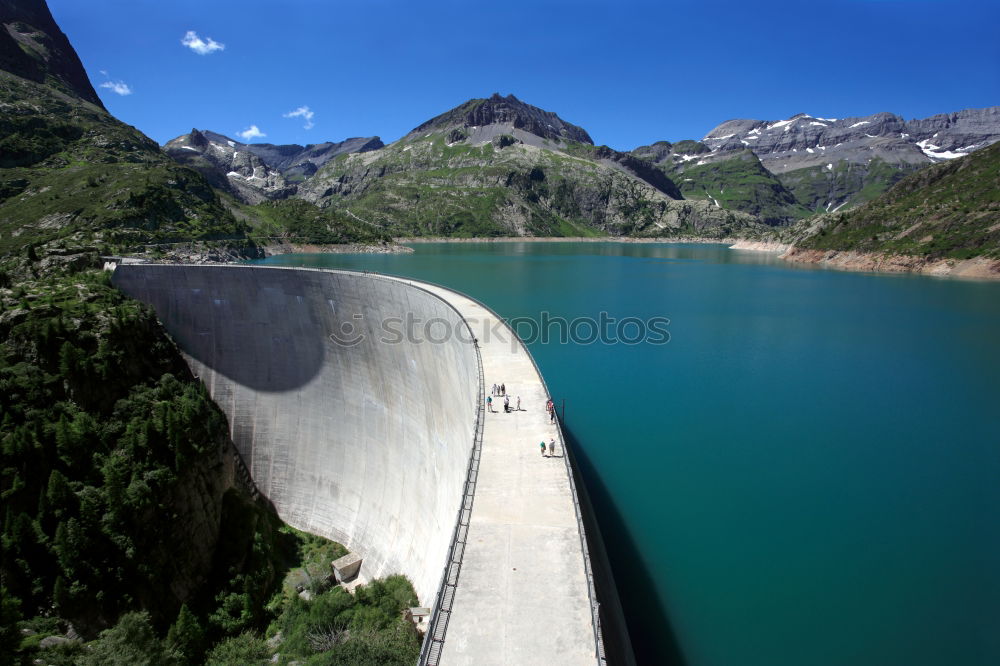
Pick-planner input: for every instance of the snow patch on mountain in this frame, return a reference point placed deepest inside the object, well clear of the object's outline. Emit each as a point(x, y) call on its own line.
point(936, 153)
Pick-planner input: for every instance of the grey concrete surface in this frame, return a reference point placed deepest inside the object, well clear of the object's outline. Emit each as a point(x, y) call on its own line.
point(367, 444)
point(522, 597)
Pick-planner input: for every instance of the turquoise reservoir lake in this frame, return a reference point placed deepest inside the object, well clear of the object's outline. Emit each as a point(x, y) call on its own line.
point(806, 474)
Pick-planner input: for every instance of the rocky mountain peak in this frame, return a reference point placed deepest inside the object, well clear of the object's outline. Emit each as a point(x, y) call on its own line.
point(508, 113)
point(33, 47)
point(254, 172)
point(197, 139)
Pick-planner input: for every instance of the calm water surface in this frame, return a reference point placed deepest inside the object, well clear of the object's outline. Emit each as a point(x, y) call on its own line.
point(807, 474)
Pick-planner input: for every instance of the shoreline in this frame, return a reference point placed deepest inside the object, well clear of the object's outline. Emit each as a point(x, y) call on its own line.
point(976, 268)
point(563, 239)
point(346, 248)
point(759, 246)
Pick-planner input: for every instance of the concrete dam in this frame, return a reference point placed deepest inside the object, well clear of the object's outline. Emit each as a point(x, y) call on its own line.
point(356, 401)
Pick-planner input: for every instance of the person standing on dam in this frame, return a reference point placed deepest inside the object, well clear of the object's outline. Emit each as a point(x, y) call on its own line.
point(518, 403)
point(542, 445)
point(489, 403)
point(552, 446)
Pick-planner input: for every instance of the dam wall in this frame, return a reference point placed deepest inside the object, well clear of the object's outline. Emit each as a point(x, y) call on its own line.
point(352, 429)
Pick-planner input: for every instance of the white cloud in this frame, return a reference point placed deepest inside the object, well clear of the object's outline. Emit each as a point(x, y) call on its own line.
point(104, 72)
point(304, 113)
point(252, 132)
point(200, 46)
point(117, 87)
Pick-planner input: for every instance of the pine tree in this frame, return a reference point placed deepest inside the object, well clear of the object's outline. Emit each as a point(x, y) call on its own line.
point(186, 636)
point(60, 498)
point(10, 637)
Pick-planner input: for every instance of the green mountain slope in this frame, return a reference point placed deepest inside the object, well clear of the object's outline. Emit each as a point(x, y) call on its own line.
point(455, 176)
point(298, 221)
point(734, 181)
point(33, 46)
point(73, 176)
point(822, 189)
point(948, 210)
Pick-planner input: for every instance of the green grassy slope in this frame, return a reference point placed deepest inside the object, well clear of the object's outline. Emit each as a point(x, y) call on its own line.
point(736, 182)
point(441, 185)
point(847, 185)
point(742, 183)
point(950, 209)
point(298, 221)
point(72, 175)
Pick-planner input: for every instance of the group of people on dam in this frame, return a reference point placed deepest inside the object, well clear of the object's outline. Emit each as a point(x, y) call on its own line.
point(500, 390)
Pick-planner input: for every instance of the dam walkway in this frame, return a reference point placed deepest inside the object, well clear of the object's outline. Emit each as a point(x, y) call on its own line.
point(523, 594)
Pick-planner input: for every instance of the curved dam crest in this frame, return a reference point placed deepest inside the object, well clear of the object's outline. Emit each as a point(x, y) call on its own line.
point(379, 441)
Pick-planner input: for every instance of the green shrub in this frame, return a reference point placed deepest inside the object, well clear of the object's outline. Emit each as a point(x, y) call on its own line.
point(131, 642)
point(247, 649)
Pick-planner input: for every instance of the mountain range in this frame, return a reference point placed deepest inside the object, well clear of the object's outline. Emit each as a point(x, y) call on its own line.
point(494, 166)
point(783, 170)
point(776, 171)
point(73, 175)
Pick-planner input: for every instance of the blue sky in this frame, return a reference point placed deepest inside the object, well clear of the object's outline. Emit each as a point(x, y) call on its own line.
point(628, 72)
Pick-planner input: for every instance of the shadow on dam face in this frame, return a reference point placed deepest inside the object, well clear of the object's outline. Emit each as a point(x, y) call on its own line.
point(366, 443)
point(652, 636)
point(273, 341)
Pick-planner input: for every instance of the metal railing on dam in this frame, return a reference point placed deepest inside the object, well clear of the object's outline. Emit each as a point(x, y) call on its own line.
point(381, 447)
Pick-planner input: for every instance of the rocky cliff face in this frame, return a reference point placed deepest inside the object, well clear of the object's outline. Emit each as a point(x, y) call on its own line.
point(805, 141)
point(32, 46)
point(259, 171)
point(229, 166)
point(950, 135)
point(296, 163)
